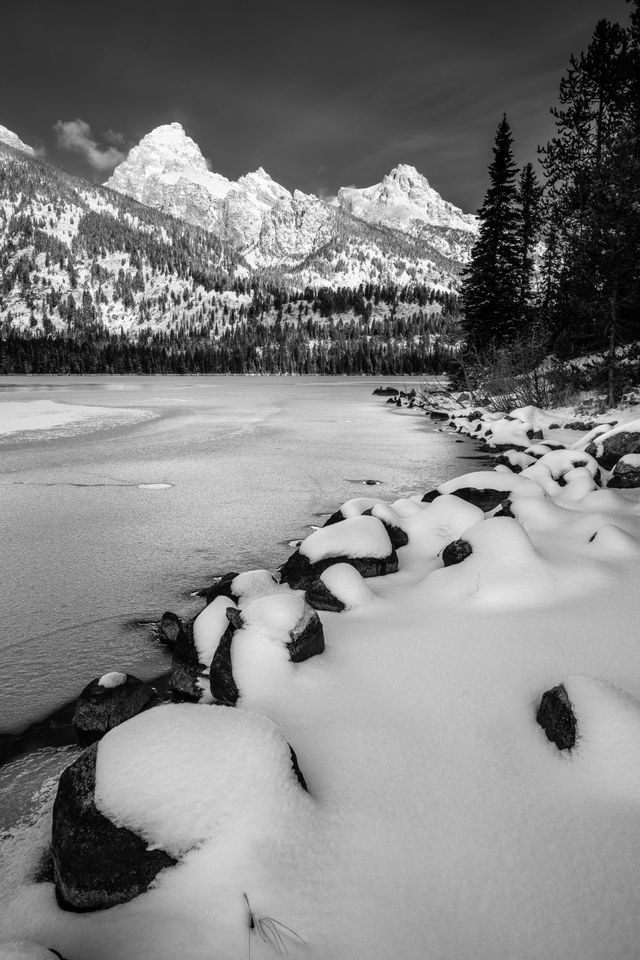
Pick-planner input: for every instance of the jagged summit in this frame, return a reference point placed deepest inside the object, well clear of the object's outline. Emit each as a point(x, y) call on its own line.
point(11, 139)
point(406, 200)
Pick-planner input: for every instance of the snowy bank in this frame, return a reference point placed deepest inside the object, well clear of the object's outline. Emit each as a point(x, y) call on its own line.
point(437, 756)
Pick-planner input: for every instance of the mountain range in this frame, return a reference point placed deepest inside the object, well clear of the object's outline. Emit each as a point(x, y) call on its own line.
point(170, 267)
point(272, 227)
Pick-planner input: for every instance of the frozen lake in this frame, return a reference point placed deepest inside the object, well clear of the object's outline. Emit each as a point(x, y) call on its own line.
point(114, 515)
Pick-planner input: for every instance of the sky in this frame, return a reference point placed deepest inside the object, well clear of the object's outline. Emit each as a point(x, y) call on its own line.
point(321, 95)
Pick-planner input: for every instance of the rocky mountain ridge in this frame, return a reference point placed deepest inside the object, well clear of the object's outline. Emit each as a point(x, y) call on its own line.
point(272, 227)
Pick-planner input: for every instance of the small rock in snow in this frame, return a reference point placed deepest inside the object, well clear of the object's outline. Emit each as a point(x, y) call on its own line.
point(556, 717)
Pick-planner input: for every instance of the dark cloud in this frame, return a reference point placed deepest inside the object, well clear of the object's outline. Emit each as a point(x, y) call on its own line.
point(320, 95)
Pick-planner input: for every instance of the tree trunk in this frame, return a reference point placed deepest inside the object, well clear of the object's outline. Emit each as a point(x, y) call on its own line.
point(612, 347)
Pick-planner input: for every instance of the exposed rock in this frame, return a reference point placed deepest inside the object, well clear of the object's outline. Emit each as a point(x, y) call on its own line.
point(385, 391)
point(96, 864)
point(169, 629)
point(439, 414)
point(456, 552)
point(297, 770)
point(106, 702)
point(219, 588)
point(177, 636)
point(505, 510)
point(320, 597)
point(556, 717)
point(431, 496)
point(610, 447)
point(221, 682)
point(299, 572)
point(487, 499)
point(307, 637)
point(626, 473)
point(185, 675)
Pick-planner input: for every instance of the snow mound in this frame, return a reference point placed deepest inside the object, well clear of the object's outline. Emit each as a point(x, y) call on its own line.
point(208, 628)
point(276, 615)
point(182, 775)
point(436, 525)
point(357, 506)
point(608, 745)
point(255, 583)
point(355, 537)
point(504, 567)
point(346, 584)
point(111, 680)
point(25, 950)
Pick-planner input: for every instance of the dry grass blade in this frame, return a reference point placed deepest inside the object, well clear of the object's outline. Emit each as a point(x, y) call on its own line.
point(270, 930)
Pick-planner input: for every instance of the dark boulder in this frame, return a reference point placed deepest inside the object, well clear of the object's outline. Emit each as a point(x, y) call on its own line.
point(505, 510)
point(439, 414)
point(183, 681)
point(456, 552)
point(336, 517)
point(556, 717)
point(177, 636)
point(319, 597)
point(169, 629)
point(625, 475)
point(431, 496)
point(391, 400)
point(609, 450)
point(106, 702)
point(299, 572)
point(385, 391)
point(307, 637)
point(221, 682)
point(219, 588)
point(487, 499)
point(96, 864)
point(535, 434)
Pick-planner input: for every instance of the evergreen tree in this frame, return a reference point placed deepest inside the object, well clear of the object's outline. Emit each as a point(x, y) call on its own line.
point(592, 178)
point(491, 284)
point(531, 218)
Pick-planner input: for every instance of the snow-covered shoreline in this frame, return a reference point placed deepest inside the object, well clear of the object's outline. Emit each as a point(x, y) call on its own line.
point(439, 820)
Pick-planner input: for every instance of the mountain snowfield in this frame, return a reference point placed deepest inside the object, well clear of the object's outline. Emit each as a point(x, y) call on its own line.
point(10, 139)
point(439, 820)
point(270, 225)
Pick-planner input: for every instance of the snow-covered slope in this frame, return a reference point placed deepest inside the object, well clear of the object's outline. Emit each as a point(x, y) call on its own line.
point(272, 227)
point(10, 139)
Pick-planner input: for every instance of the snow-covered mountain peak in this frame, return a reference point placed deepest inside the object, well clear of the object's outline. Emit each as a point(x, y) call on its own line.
point(406, 175)
point(164, 168)
point(404, 198)
point(12, 140)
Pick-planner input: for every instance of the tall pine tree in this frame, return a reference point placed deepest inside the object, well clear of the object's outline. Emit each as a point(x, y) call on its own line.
point(491, 288)
point(593, 175)
point(531, 218)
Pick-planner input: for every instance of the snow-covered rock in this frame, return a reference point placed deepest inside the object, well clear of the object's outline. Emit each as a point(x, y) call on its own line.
point(106, 702)
point(361, 541)
point(626, 472)
point(96, 863)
